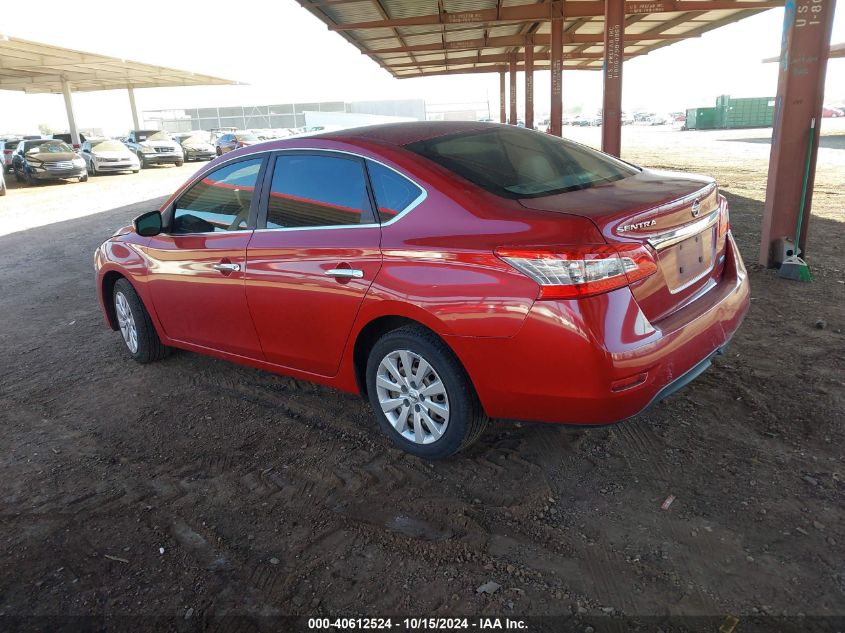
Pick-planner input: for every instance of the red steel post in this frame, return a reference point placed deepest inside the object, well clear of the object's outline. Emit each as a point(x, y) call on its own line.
point(503, 108)
point(805, 43)
point(513, 89)
point(611, 113)
point(556, 109)
point(529, 84)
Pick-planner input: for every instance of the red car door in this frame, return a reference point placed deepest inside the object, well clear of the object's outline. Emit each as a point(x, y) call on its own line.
point(309, 269)
point(196, 268)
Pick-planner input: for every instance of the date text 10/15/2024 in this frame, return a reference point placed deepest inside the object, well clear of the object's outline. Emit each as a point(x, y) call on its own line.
point(417, 624)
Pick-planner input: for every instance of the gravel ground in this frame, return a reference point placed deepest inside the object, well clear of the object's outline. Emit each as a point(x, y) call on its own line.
point(194, 488)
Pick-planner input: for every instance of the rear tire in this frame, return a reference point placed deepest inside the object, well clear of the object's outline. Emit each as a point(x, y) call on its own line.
point(179, 163)
point(421, 395)
point(136, 326)
point(83, 178)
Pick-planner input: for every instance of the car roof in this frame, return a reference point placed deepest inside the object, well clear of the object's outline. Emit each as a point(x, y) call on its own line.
point(405, 133)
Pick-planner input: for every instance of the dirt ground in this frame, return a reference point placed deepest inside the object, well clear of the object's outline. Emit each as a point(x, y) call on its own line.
point(194, 488)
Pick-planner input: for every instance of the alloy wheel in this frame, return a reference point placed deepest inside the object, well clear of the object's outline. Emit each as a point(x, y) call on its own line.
point(126, 322)
point(412, 397)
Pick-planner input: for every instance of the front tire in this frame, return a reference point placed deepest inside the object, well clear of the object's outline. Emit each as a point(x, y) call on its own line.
point(136, 326)
point(83, 178)
point(179, 163)
point(421, 395)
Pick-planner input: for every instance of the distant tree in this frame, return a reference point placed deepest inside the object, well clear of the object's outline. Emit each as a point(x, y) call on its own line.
point(45, 129)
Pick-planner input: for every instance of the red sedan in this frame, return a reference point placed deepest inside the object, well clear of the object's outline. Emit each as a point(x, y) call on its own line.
point(448, 272)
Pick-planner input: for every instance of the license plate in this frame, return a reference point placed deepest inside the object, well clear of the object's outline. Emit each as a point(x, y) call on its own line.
point(690, 260)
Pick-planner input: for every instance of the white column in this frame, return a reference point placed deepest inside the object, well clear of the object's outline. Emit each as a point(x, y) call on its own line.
point(71, 118)
point(134, 108)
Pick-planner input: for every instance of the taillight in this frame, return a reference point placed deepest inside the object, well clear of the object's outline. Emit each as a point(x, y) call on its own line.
point(572, 272)
point(7, 151)
point(724, 216)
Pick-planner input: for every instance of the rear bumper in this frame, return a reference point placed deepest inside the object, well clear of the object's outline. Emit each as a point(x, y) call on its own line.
point(599, 360)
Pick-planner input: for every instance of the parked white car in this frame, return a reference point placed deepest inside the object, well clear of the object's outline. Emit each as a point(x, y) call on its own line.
point(103, 155)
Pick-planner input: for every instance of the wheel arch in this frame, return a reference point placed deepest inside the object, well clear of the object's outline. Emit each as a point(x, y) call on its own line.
point(374, 330)
point(110, 278)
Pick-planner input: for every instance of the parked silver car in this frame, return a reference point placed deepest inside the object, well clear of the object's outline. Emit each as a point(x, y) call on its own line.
point(195, 145)
point(104, 155)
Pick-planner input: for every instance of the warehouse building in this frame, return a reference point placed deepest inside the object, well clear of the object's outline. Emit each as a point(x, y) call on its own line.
point(285, 115)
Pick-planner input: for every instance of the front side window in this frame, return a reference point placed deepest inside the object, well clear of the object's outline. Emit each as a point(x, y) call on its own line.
point(517, 163)
point(393, 192)
point(219, 202)
point(310, 190)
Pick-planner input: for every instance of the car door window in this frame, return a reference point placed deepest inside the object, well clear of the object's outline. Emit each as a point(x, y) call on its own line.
point(393, 192)
point(313, 190)
point(219, 202)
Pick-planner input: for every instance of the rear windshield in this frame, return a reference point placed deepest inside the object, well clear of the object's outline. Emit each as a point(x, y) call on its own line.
point(518, 163)
point(246, 137)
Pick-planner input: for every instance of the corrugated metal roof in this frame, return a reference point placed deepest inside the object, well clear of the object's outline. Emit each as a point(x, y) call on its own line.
point(457, 36)
point(34, 67)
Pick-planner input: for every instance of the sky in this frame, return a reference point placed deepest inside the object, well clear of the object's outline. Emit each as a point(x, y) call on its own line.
point(285, 55)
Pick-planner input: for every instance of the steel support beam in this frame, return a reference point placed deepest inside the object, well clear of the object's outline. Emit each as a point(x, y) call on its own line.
point(611, 113)
point(541, 11)
point(71, 117)
point(503, 106)
point(556, 105)
point(505, 41)
point(486, 59)
point(805, 44)
point(512, 72)
point(133, 107)
point(529, 86)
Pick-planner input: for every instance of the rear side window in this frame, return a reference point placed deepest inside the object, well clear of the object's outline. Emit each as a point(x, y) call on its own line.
point(517, 163)
point(310, 190)
point(218, 202)
point(394, 193)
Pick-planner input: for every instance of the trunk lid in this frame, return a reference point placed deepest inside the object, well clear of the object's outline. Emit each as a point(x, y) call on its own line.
point(676, 215)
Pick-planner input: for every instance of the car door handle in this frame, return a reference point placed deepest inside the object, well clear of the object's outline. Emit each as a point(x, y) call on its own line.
point(229, 268)
point(345, 273)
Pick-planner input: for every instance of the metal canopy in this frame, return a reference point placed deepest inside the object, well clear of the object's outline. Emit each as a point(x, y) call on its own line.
point(413, 38)
point(34, 67)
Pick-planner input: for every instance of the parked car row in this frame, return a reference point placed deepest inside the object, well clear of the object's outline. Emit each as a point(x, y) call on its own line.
point(34, 158)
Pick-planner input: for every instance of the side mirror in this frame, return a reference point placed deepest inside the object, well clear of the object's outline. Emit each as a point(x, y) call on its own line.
point(147, 224)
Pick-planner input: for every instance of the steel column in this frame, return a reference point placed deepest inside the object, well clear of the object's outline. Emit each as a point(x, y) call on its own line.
point(529, 84)
point(556, 109)
point(131, 93)
point(503, 107)
point(805, 42)
point(71, 118)
point(512, 119)
point(611, 113)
